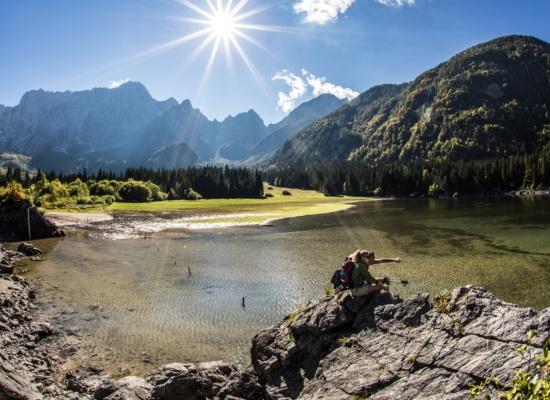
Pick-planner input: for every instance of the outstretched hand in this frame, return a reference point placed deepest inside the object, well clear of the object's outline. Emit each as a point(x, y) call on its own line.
point(397, 260)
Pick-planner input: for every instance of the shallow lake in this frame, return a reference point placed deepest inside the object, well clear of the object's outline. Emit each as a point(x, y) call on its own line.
point(135, 305)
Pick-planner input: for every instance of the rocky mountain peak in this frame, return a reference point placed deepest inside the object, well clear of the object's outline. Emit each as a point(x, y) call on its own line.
point(186, 105)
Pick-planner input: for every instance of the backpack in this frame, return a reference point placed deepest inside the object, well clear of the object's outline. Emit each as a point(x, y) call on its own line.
point(341, 279)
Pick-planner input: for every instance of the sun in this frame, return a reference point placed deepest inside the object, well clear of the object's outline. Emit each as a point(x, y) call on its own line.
point(224, 26)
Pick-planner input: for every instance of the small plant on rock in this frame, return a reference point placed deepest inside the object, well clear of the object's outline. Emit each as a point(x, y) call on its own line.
point(344, 341)
point(442, 301)
point(532, 383)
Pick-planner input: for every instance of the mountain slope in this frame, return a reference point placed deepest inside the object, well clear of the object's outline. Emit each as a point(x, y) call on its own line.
point(180, 123)
point(175, 155)
point(299, 118)
point(72, 130)
point(490, 100)
point(238, 135)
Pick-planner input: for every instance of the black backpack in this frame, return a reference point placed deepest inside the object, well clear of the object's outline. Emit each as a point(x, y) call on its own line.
point(341, 279)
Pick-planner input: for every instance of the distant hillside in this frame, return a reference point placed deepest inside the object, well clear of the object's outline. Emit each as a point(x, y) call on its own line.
point(301, 117)
point(175, 155)
point(114, 129)
point(491, 100)
point(238, 135)
point(11, 160)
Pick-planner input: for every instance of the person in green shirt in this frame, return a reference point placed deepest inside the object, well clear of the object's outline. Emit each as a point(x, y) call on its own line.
point(362, 281)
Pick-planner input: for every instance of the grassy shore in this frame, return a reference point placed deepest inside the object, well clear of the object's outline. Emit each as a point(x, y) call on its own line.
point(235, 211)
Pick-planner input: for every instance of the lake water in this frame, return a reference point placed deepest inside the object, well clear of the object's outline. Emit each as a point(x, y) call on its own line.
point(135, 305)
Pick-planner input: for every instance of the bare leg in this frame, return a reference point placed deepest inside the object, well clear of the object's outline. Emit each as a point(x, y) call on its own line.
point(368, 290)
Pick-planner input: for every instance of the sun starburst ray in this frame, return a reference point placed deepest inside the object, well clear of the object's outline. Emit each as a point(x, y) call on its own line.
point(195, 8)
point(210, 64)
point(253, 41)
point(255, 74)
point(200, 49)
point(238, 8)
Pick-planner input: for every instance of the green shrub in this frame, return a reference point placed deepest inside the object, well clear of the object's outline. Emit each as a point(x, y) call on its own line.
point(12, 191)
point(105, 187)
point(434, 189)
point(156, 193)
point(190, 194)
point(172, 195)
point(108, 200)
point(54, 190)
point(81, 201)
point(135, 191)
point(77, 188)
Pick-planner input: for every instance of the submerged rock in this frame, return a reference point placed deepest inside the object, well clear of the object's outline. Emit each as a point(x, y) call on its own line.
point(14, 222)
point(28, 249)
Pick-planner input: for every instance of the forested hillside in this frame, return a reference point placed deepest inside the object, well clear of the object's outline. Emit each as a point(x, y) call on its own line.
point(490, 101)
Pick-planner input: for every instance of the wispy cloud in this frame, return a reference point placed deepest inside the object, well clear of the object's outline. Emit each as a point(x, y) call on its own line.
point(298, 88)
point(321, 12)
point(300, 85)
point(396, 3)
point(115, 84)
point(320, 86)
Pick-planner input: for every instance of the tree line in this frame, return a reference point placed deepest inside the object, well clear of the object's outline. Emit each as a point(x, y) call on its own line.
point(136, 184)
point(496, 175)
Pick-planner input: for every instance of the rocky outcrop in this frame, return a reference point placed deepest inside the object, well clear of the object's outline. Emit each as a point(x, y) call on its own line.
point(386, 348)
point(13, 222)
point(339, 347)
point(31, 350)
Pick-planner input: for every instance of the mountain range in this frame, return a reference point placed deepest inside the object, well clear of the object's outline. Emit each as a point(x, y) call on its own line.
point(123, 127)
point(492, 100)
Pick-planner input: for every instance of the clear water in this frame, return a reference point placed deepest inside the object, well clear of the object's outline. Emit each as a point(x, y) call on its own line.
point(135, 305)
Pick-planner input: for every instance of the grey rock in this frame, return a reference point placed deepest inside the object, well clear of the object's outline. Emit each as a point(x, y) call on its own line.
point(128, 388)
point(386, 348)
point(15, 385)
point(28, 249)
point(190, 381)
point(13, 219)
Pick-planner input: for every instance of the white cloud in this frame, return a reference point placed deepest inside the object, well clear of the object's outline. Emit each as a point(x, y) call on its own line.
point(321, 12)
point(397, 3)
point(299, 87)
point(115, 84)
point(320, 86)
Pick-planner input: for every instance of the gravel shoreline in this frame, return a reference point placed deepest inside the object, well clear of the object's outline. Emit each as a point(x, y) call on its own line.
point(34, 356)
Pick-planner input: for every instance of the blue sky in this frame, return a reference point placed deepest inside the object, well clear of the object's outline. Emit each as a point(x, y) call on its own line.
point(311, 47)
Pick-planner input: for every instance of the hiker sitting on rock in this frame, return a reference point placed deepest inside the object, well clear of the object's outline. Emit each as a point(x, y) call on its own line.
point(362, 282)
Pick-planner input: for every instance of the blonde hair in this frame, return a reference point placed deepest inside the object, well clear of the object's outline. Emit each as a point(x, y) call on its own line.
point(359, 254)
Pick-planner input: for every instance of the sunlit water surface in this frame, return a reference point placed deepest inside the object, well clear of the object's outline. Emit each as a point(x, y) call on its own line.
point(135, 305)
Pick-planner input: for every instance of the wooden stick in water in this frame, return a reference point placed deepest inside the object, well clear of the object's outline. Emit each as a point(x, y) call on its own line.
point(29, 222)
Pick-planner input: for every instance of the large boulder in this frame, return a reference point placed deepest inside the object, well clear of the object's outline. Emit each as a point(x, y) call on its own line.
point(204, 381)
point(14, 222)
point(386, 348)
